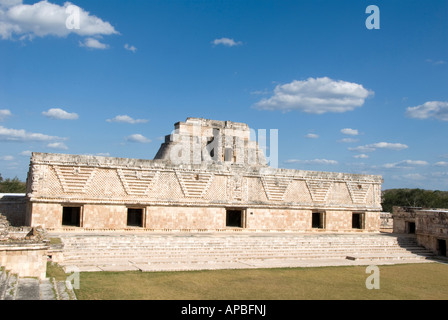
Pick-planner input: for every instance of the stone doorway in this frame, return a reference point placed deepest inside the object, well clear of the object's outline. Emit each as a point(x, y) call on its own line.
point(234, 218)
point(410, 227)
point(71, 216)
point(441, 244)
point(357, 220)
point(135, 217)
point(318, 220)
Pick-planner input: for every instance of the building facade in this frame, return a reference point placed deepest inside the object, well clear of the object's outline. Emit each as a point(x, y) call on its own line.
point(207, 175)
point(429, 225)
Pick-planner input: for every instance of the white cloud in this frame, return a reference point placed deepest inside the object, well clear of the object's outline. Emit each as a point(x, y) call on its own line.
point(350, 132)
point(414, 176)
point(9, 3)
point(405, 164)
point(103, 154)
point(59, 114)
point(26, 153)
point(441, 164)
point(126, 119)
point(312, 136)
point(57, 145)
point(315, 161)
point(99, 154)
point(439, 174)
point(379, 145)
point(138, 138)
point(260, 92)
point(431, 109)
point(226, 42)
point(7, 158)
point(130, 48)
point(93, 44)
point(4, 113)
point(436, 62)
point(361, 156)
point(44, 18)
point(22, 135)
point(348, 140)
point(317, 96)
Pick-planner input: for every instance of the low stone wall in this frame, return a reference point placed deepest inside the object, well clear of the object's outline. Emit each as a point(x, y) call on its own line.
point(401, 216)
point(386, 221)
point(23, 253)
point(25, 260)
point(13, 207)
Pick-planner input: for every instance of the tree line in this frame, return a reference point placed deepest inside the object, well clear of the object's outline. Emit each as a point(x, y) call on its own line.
point(414, 198)
point(13, 185)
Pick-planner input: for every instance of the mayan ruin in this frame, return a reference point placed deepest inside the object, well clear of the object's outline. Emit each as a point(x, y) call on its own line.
point(221, 155)
point(192, 186)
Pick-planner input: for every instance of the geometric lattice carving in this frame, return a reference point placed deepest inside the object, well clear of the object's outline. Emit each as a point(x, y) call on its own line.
point(238, 189)
point(74, 179)
point(137, 182)
point(194, 184)
point(358, 191)
point(319, 189)
point(275, 187)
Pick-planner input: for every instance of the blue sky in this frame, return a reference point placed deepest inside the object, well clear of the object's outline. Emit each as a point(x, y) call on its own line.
point(343, 97)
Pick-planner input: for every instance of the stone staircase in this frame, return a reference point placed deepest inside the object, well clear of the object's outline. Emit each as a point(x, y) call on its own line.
point(198, 251)
point(13, 287)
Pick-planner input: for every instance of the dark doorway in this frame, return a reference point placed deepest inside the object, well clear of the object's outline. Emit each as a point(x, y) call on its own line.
point(442, 247)
point(411, 227)
point(357, 220)
point(318, 220)
point(234, 218)
point(71, 216)
point(135, 217)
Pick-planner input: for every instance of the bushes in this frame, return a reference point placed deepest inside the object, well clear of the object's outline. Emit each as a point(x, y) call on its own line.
point(12, 185)
point(414, 198)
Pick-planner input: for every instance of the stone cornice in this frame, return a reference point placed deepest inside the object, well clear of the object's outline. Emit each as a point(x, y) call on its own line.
point(221, 168)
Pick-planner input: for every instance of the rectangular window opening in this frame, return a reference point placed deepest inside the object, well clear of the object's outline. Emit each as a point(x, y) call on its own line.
point(135, 217)
point(358, 221)
point(71, 216)
point(318, 220)
point(410, 226)
point(234, 218)
point(442, 247)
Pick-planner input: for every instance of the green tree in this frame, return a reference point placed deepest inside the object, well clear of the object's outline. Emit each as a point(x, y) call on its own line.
point(414, 198)
point(12, 185)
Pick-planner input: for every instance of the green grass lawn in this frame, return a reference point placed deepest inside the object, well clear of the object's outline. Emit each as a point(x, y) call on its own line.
point(406, 281)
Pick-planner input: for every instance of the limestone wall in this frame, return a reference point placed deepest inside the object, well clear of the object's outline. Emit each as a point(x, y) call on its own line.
point(13, 206)
point(432, 226)
point(26, 260)
point(185, 218)
point(386, 221)
point(106, 187)
point(401, 216)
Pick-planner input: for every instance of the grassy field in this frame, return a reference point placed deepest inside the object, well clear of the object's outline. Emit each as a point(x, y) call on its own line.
point(404, 282)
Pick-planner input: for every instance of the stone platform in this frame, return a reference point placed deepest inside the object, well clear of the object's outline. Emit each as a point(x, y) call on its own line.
point(13, 287)
point(94, 251)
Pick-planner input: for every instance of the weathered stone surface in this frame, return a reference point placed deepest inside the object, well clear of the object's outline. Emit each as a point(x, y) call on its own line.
point(187, 186)
point(4, 227)
point(429, 225)
point(13, 207)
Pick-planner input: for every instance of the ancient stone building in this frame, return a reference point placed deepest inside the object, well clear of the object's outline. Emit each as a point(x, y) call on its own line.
point(429, 225)
point(208, 175)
